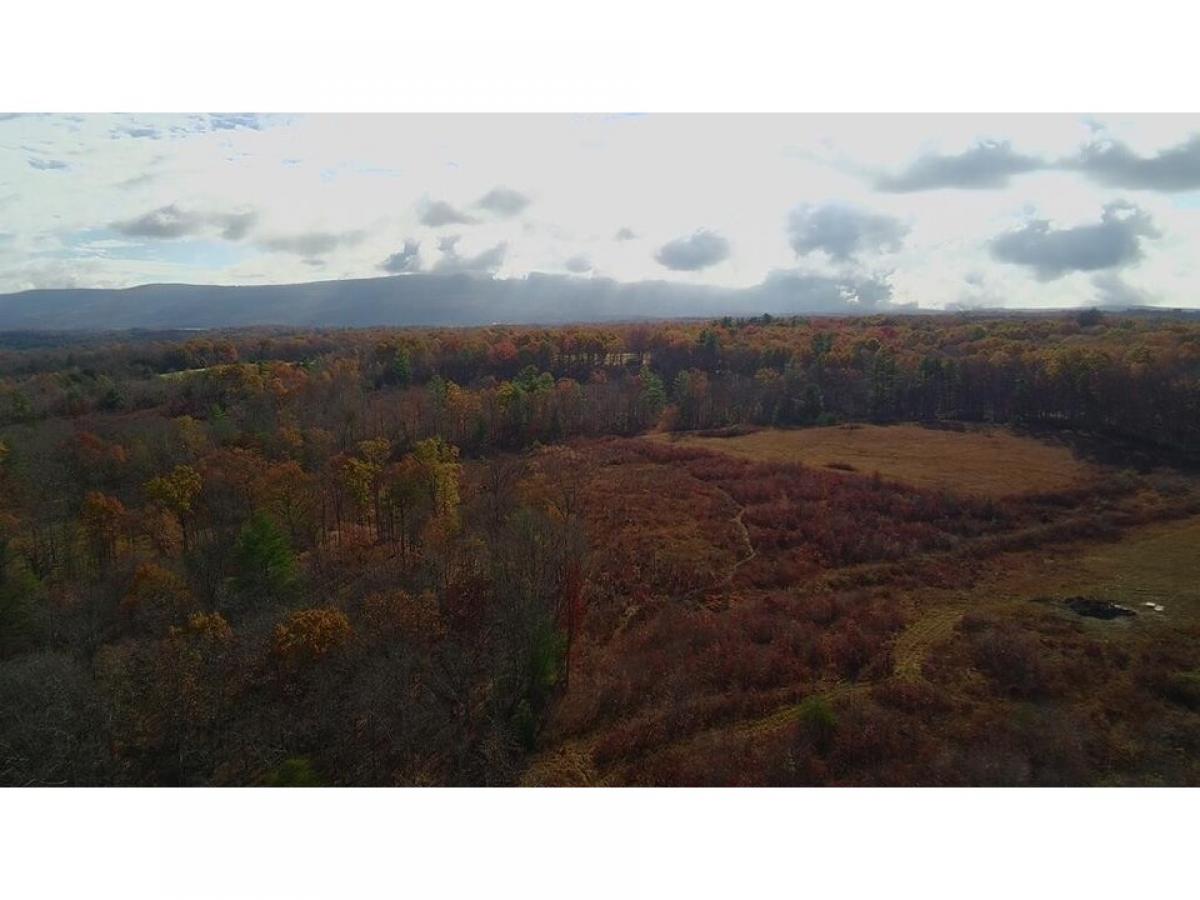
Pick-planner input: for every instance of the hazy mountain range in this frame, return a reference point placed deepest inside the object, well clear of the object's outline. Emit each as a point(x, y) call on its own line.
point(440, 300)
point(433, 299)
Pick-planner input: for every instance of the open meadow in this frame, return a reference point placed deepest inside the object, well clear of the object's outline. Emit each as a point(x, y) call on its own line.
point(979, 460)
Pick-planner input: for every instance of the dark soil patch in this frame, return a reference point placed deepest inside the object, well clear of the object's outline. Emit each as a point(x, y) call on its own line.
point(1098, 609)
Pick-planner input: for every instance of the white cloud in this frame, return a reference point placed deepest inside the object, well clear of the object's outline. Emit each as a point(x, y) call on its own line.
point(611, 191)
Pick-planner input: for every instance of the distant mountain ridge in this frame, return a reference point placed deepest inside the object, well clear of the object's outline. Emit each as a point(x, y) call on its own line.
point(457, 300)
point(429, 300)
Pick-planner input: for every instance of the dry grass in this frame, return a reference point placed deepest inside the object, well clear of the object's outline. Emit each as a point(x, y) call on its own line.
point(1155, 563)
point(988, 462)
point(673, 532)
point(1158, 563)
point(932, 627)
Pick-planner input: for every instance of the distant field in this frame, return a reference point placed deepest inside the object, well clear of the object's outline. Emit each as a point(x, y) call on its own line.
point(993, 462)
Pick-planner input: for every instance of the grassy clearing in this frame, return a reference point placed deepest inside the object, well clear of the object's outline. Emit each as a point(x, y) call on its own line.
point(990, 462)
point(1155, 563)
point(1158, 563)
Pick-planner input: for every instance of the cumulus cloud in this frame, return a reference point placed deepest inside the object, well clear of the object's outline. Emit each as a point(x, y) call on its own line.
point(696, 251)
point(312, 243)
point(165, 222)
point(1113, 290)
point(1053, 252)
point(989, 164)
point(233, 121)
point(136, 181)
point(1114, 164)
point(235, 226)
point(208, 123)
point(404, 261)
point(842, 231)
point(439, 213)
point(452, 262)
point(503, 202)
point(798, 290)
point(61, 273)
point(133, 130)
point(171, 221)
point(311, 178)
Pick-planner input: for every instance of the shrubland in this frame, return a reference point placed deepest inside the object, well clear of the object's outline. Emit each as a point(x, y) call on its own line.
point(591, 555)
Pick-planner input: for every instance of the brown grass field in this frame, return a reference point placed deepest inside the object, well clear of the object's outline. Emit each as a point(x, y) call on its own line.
point(977, 461)
point(1155, 563)
point(1150, 563)
point(952, 605)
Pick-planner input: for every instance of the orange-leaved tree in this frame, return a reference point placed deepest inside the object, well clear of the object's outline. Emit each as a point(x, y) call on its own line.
point(310, 634)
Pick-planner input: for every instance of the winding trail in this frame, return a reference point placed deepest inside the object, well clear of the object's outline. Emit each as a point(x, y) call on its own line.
point(727, 580)
point(746, 540)
point(914, 643)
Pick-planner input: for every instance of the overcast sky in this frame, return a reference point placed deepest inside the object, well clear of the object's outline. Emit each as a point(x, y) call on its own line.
point(940, 210)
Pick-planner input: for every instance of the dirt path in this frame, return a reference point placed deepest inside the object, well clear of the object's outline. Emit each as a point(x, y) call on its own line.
point(727, 580)
point(914, 643)
point(570, 763)
point(746, 540)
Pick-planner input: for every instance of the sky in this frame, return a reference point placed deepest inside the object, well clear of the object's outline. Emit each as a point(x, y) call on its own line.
point(942, 211)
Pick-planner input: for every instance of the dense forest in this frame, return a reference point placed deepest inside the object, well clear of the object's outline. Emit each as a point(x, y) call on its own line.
point(477, 556)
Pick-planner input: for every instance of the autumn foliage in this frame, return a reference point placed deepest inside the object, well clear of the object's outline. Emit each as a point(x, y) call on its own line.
point(310, 634)
point(486, 556)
